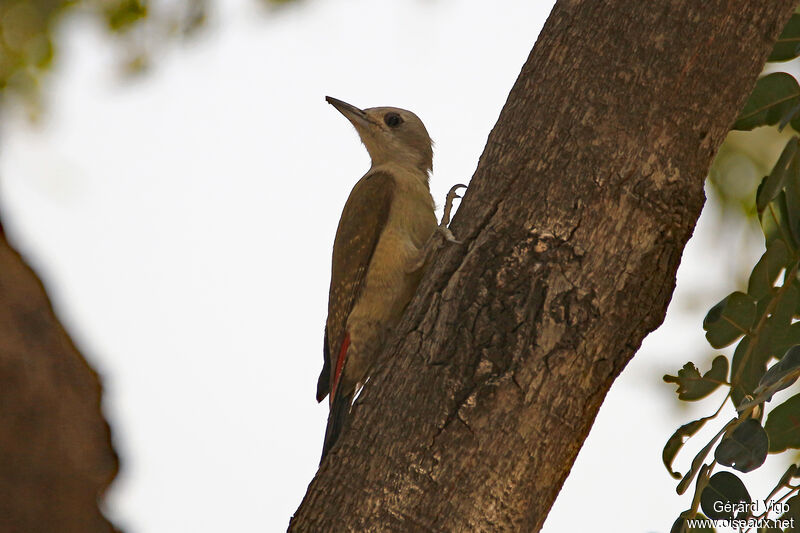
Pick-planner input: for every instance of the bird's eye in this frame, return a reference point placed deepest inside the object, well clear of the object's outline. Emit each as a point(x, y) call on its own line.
point(392, 119)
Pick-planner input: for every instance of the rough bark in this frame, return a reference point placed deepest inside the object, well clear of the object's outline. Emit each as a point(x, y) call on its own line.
point(56, 457)
point(574, 224)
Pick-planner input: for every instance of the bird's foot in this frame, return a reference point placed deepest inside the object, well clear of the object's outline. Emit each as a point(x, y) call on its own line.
point(452, 194)
point(442, 230)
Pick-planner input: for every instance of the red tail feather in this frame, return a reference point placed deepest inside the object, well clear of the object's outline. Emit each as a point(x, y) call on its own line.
point(337, 373)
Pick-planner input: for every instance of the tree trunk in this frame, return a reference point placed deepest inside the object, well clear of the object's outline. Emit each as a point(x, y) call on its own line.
point(56, 457)
point(573, 227)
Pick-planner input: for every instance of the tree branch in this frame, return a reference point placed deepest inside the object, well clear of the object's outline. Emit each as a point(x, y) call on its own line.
point(574, 224)
point(56, 457)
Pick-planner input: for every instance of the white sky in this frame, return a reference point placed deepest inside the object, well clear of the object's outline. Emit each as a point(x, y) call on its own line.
point(183, 225)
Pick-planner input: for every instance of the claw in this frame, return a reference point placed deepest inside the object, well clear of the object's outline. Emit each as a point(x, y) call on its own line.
point(447, 235)
point(442, 230)
point(452, 194)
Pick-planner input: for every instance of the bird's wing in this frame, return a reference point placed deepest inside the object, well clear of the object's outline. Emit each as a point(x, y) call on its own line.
point(363, 218)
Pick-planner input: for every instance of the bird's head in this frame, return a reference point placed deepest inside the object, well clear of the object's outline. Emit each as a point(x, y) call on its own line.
point(390, 134)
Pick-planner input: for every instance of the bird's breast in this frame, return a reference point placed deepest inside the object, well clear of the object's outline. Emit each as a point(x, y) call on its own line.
point(390, 281)
point(412, 211)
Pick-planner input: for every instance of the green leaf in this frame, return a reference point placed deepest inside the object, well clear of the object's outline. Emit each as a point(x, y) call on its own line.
point(697, 462)
point(766, 271)
point(123, 14)
point(748, 365)
point(792, 189)
point(783, 425)
point(764, 302)
point(740, 385)
point(726, 491)
point(785, 307)
point(692, 386)
point(777, 334)
point(730, 319)
point(679, 526)
point(776, 180)
point(790, 336)
point(793, 514)
point(780, 375)
point(788, 45)
point(789, 116)
point(745, 449)
point(774, 96)
point(677, 440)
point(775, 222)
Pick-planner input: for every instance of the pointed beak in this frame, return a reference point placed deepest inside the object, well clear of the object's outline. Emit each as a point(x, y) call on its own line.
point(351, 112)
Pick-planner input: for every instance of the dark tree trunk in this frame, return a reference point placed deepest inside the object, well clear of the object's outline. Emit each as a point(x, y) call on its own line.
point(574, 225)
point(56, 457)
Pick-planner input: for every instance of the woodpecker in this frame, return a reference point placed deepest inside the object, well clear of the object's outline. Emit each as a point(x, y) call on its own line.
point(378, 252)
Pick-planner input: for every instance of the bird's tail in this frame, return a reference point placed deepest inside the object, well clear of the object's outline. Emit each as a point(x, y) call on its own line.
point(324, 381)
point(340, 408)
